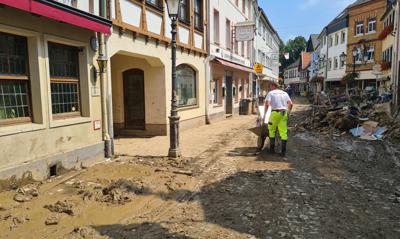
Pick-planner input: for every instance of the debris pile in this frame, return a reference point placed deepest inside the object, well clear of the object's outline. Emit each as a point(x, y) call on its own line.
point(61, 207)
point(26, 193)
point(369, 122)
point(117, 192)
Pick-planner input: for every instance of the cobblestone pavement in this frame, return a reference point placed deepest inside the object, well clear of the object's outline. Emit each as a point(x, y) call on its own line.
point(326, 188)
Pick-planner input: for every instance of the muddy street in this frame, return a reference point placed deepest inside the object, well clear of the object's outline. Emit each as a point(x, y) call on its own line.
point(327, 187)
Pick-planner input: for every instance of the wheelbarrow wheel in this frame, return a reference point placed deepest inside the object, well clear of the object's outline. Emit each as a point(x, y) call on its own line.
point(260, 142)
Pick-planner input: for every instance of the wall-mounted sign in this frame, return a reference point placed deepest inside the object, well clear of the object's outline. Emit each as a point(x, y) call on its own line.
point(258, 68)
point(97, 124)
point(275, 57)
point(244, 31)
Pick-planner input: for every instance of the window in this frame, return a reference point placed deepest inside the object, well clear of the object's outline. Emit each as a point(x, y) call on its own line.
point(343, 37)
point(372, 25)
point(330, 43)
point(198, 14)
point(216, 26)
point(330, 64)
point(358, 56)
point(228, 41)
point(242, 49)
point(371, 53)
point(215, 89)
point(359, 28)
point(244, 6)
point(237, 2)
point(64, 79)
point(336, 39)
point(14, 80)
point(186, 80)
point(236, 47)
point(184, 12)
point(335, 63)
point(155, 3)
point(248, 49)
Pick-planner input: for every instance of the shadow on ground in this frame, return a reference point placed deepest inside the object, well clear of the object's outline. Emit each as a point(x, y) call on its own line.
point(132, 231)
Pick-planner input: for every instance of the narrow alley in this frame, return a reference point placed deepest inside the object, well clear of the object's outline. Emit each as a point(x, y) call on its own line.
point(327, 188)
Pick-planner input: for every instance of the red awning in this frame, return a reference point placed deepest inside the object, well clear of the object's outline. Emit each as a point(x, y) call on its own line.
point(233, 65)
point(62, 13)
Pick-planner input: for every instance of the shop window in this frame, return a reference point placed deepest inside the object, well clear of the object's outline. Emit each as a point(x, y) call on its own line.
point(186, 81)
point(14, 80)
point(198, 14)
point(64, 79)
point(184, 12)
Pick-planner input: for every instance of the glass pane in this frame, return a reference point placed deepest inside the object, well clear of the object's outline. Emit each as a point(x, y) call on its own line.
point(64, 97)
point(186, 91)
point(13, 54)
point(13, 102)
point(64, 61)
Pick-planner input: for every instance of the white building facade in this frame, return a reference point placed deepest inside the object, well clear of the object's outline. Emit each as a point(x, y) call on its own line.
point(336, 46)
point(266, 50)
point(230, 69)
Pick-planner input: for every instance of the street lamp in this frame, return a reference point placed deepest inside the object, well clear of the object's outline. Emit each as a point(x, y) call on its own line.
point(173, 152)
point(102, 63)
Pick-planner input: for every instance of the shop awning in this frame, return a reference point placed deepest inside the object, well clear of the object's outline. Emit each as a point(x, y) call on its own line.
point(233, 65)
point(63, 13)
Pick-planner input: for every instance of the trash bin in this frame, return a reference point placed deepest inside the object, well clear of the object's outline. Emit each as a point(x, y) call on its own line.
point(244, 107)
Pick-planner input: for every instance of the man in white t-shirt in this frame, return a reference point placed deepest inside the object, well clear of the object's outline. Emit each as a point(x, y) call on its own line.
point(281, 105)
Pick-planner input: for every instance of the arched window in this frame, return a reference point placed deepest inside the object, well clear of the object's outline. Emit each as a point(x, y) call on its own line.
point(186, 84)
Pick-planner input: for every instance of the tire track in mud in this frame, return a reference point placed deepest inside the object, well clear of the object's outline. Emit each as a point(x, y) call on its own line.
point(206, 167)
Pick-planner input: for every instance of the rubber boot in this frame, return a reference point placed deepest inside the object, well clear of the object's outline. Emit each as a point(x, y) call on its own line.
point(283, 149)
point(272, 145)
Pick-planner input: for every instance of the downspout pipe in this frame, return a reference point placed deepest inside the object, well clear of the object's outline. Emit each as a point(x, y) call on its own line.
point(207, 64)
point(103, 82)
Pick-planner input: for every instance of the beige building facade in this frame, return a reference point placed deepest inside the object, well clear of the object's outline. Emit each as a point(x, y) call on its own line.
point(50, 109)
point(139, 50)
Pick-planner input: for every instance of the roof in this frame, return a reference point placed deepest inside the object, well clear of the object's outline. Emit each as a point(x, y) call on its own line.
point(312, 42)
point(305, 60)
point(296, 63)
point(360, 2)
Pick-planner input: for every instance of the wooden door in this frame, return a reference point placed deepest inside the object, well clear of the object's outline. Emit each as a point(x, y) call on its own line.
point(134, 106)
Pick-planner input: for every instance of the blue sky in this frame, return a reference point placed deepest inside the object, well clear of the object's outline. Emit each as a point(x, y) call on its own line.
point(292, 18)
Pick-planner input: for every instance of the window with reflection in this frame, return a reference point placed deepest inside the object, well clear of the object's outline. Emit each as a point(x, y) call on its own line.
point(64, 79)
point(14, 79)
point(186, 85)
point(184, 12)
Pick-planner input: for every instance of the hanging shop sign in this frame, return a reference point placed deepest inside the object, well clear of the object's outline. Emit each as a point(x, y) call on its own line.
point(244, 31)
point(258, 68)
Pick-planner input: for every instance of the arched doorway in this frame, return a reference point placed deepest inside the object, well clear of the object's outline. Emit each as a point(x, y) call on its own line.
point(134, 105)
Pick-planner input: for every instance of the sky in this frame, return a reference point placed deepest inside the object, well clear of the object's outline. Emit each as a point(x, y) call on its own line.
point(293, 18)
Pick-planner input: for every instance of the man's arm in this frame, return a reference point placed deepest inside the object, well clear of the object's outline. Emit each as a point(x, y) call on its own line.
point(266, 106)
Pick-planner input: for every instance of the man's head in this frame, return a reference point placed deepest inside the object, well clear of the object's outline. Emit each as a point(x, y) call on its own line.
point(274, 84)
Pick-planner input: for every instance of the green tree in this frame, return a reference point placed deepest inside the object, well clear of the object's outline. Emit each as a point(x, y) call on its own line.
point(294, 47)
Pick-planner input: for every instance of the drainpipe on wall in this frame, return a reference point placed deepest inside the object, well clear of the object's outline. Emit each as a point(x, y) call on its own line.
point(208, 59)
point(110, 104)
point(103, 82)
point(395, 68)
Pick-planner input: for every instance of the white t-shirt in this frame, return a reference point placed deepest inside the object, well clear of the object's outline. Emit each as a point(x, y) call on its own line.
point(278, 99)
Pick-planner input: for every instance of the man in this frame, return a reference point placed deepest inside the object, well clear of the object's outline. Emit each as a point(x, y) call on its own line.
point(281, 105)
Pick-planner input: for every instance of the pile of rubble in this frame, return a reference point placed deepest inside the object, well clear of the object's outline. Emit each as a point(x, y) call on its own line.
point(369, 122)
point(117, 192)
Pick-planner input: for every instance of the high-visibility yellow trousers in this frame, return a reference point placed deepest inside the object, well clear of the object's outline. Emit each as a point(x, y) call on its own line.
point(278, 120)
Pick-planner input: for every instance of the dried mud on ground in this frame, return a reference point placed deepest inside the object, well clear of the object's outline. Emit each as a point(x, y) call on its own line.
point(327, 187)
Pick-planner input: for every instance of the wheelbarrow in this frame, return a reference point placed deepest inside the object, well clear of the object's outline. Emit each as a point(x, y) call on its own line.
point(261, 129)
